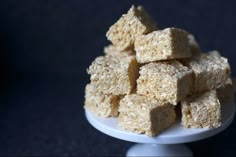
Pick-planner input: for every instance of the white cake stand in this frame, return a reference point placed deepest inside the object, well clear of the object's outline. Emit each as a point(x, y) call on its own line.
point(169, 142)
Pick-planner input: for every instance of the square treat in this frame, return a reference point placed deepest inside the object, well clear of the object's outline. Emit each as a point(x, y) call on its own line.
point(226, 92)
point(100, 104)
point(168, 81)
point(210, 71)
point(201, 111)
point(170, 43)
point(114, 74)
point(112, 50)
point(136, 22)
point(146, 115)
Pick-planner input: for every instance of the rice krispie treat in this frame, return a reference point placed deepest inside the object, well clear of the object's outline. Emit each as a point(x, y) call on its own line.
point(201, 111)
point(210, 71)
point(101, 104)
point(136, 22)
point(167, 81)
point(114, 74)
point(170, 43)
point(146, 115)
point(112, 50)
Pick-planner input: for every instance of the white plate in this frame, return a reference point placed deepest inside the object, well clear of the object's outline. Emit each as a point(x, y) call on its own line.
point(173, 135)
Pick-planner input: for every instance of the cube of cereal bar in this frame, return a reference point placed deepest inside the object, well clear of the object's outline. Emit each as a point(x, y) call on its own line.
point(114, 74)
point(201, 111)
point(168, 81)
point(101, 104)
point(210, 71)
point(170, 43)
point(146, 115)
point(136, 22)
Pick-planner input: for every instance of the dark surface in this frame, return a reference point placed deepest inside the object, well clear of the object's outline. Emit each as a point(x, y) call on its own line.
point(45, 48)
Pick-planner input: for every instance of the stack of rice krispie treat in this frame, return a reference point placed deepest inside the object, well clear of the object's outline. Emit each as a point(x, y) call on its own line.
point(146, 72)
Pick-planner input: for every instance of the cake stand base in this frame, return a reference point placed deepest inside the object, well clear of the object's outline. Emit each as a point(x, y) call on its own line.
point(159, 150)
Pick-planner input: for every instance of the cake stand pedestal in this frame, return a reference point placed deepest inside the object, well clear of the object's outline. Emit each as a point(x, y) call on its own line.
point(169, 143)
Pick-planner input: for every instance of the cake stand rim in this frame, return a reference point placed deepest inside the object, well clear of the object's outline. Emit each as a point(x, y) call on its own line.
point(173, 135)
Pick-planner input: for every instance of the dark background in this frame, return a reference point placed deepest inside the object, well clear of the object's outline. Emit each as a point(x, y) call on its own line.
point(45, 49)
